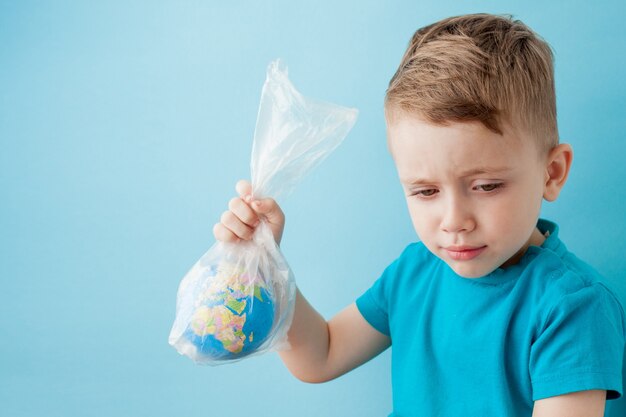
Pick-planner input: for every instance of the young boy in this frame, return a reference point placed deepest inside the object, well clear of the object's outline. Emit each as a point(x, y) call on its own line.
point(489, 314)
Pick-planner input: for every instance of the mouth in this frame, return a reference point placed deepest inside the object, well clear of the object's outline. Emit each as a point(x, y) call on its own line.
point(464, 253)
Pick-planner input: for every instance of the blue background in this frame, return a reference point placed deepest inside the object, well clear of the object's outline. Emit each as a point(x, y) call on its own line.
point(124, 126)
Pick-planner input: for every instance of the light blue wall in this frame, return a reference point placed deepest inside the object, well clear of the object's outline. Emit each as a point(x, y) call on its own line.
point(124, 126)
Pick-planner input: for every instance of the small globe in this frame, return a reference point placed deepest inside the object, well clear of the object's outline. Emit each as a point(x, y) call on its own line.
point(232, 317)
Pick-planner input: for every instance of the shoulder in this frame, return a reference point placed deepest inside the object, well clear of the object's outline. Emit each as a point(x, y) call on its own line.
point(556, 269)
point(404, 271)
point(415, 255)
point(566, 285)
point(565, 273)
point(413, 269)
point(414, 260)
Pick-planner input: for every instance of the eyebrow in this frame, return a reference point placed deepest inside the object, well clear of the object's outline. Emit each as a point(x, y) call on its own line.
point(464, 174)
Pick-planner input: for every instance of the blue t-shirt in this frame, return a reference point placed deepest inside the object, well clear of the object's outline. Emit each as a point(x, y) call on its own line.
point(490, 346)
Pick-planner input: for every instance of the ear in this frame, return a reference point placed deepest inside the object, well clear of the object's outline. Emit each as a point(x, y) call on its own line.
point(558, 165)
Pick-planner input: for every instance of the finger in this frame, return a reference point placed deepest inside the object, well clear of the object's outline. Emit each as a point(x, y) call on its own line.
point(235, 225)
point(243, 212)
point(243, 188)
point(222, 234)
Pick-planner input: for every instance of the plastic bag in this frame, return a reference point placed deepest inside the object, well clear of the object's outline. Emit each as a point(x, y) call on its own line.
point(238, 300)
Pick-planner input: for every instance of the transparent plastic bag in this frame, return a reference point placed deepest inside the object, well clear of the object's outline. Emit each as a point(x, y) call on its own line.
point(238, 299)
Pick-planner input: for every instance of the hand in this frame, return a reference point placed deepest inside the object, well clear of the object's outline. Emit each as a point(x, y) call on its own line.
point(244, 215)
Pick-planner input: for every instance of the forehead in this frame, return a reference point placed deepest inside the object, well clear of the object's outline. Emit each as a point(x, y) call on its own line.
point(423, 148)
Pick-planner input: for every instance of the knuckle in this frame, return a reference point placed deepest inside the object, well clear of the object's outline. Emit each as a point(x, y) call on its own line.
point(242, 186)
point(219, 232)
point(230, 237)
point(251, 218)
point(273, 204)
point(233, 203)
point(223, 234)
point(242, 211)
point(227, 217)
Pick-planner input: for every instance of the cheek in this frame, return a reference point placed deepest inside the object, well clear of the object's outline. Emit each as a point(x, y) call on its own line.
point(517, 213)
point(421, 218)
point(414, 212)
point(529, 201)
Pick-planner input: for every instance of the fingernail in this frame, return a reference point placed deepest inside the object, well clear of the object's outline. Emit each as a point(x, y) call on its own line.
point(247, 198)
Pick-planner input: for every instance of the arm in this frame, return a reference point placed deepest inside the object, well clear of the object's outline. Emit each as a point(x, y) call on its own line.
point(322, 351)
point(578, 404)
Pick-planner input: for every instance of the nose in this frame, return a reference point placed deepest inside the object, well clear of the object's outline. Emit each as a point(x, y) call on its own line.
point(457, 216)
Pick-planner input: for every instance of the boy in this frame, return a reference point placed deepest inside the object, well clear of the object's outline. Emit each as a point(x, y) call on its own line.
point(489, 314)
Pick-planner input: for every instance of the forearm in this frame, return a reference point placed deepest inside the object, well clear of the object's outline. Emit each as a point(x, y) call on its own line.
point(309, 340)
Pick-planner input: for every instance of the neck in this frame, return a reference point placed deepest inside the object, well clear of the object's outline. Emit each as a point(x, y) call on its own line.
point(536, 239)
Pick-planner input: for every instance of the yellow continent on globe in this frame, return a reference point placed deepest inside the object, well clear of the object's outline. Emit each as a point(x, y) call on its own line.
point(220, 322)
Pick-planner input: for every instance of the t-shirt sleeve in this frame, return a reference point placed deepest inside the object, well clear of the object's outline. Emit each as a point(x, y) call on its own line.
point(374, 303)
point(580, 346)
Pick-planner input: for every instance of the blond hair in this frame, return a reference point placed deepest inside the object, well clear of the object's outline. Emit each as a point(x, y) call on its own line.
point(478, 67)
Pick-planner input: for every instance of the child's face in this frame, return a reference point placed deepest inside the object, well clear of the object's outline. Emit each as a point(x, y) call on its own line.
point(474, 196)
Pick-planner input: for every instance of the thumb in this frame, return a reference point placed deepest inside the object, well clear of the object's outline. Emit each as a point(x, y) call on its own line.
point(268, 208)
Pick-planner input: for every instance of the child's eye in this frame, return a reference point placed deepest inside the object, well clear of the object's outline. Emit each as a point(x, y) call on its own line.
point(488, 187)
point(426, 193)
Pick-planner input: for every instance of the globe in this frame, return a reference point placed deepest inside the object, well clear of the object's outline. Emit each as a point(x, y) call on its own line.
point(233, 316)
